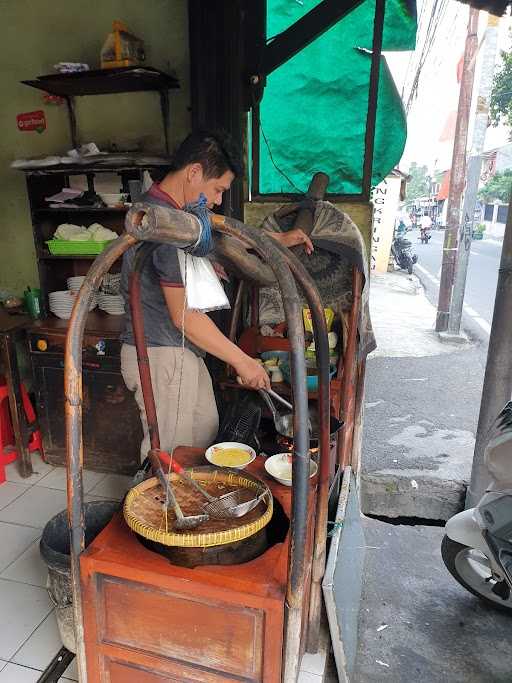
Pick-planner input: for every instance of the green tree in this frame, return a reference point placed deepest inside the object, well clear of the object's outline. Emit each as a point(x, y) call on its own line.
point(419, 183)
point(498, 187)
point(501, 93)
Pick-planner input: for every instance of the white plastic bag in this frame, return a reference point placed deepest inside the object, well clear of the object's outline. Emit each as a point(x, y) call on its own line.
point(203, 288)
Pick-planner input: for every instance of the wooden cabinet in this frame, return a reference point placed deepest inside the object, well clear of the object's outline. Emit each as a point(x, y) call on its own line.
point(111, 420)
point(112, 429)
point(147, 620)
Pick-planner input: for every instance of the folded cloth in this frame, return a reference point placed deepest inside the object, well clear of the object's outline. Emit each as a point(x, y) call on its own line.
point(203, 289)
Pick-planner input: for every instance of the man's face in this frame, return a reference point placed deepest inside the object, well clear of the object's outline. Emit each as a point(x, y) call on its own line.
point(212, 188)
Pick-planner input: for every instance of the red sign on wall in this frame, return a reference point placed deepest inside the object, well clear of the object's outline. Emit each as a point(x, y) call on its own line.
point(32, 120)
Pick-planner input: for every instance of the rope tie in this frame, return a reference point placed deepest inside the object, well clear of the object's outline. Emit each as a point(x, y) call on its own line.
point(204, 244)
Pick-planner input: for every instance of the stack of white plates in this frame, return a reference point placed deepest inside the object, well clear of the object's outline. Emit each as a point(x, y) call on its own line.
point(61, 303)
point(74, 284)
point(111, 283)
point(111, 303)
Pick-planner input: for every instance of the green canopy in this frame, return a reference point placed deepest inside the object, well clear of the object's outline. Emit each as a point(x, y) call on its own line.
point(314, 108)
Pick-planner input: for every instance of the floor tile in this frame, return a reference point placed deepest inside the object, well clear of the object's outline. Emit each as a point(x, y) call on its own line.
point(313, 663)
point(38, 651)
point(9, 492)
point(304, 677)
point(41, 469)
point(23, 608)
point(71, 673)
point(28, 568)
point(57, 479)
point(35, 507)
point(14, 540)
point(113, 486)
point(42, 646)
point(13, 673)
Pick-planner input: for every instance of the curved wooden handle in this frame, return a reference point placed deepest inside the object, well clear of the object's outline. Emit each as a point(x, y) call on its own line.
point(318, 186)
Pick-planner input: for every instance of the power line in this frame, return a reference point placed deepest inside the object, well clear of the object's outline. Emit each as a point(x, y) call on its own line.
point(435, 19)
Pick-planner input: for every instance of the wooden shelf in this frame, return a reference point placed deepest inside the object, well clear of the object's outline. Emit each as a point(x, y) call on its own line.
point(83, 209)
point(97, 322)
point(66, 257)
point(105, 81)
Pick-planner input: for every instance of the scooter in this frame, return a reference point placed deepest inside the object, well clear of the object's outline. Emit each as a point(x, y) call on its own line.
point(425, 235)
point(401, 249)
point(477, 547)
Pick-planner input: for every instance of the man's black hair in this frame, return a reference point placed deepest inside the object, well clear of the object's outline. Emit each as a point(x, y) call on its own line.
point(215, 151)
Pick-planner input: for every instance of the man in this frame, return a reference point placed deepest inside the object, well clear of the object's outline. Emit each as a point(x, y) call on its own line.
point(426, 222)
point(205, 163)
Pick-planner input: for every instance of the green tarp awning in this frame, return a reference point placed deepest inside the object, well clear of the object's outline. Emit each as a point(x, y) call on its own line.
point(313, 112)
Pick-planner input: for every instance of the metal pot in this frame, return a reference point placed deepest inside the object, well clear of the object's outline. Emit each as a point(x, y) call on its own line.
point(284, 423)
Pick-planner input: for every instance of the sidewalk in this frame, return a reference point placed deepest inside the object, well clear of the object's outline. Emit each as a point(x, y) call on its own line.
point(421, 407)
point(422, 399)
point(416, 623)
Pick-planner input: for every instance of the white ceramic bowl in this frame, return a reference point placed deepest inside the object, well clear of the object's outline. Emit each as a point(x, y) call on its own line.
point(113, 199)
point(280, 468)
point(230, 444)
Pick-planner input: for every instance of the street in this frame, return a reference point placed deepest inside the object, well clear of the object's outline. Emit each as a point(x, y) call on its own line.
point(481, 280)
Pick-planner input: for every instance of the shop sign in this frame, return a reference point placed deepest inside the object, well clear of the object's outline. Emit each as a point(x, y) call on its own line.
point(32, 120)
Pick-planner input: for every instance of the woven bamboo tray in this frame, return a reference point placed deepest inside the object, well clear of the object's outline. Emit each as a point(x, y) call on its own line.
point(143, 509)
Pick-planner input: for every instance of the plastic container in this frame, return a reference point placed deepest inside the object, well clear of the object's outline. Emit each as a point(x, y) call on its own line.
point(67, 247)
point(311, 380)
point(32, 299)
point(308, 322)
point(55, 551)
point(121, 48)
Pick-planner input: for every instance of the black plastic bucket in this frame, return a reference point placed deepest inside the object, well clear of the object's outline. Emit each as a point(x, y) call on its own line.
point(55, 551)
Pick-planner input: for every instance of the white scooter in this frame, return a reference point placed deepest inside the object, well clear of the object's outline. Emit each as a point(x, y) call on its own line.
point(477, 547)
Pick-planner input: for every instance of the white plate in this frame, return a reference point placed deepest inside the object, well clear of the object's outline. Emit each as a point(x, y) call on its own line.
point(279, 468)
point(230, 444)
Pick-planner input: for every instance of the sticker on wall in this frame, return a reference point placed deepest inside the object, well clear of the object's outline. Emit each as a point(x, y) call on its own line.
point(32, 120)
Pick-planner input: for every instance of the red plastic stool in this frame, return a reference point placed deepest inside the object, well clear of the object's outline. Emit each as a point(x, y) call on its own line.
point(8, 452)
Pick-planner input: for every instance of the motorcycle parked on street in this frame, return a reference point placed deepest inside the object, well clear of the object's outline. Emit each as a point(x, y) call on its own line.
point(402, 252)
point(477, 547)
point(425, 235)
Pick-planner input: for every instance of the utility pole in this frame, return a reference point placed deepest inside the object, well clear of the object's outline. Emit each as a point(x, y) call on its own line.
point(498, 371)
point(490, 49)
point(457, 174)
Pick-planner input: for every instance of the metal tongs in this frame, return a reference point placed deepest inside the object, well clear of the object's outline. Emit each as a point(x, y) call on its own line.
point(282, 423)
point(182, 522)
point(226, 506)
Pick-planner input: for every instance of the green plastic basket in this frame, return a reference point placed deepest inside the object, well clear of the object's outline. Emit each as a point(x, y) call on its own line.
point(59, 247)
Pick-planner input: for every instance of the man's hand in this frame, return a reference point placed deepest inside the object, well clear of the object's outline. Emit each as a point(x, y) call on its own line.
point(252, 374)
point(293, 238)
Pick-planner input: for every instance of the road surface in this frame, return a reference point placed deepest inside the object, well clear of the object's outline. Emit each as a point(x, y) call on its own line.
point(481, 279)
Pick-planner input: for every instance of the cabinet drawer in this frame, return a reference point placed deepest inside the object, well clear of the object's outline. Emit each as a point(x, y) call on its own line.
point(187, 629)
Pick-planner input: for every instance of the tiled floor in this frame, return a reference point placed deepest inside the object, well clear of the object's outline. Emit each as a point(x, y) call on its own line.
point(29, 636)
